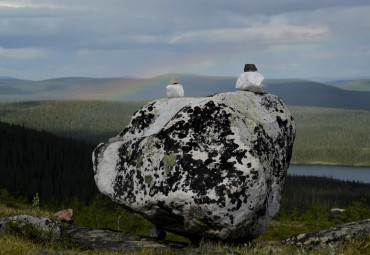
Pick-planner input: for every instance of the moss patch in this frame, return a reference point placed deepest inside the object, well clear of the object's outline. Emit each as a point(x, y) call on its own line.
point(139, 160)
point(148, 179)
point(169, 161)
point(129, 152)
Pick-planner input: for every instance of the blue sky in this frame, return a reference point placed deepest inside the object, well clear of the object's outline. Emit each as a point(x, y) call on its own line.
point(41, 39)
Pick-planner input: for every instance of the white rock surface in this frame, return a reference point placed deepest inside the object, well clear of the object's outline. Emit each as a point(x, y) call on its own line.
point(251, 81)
point(204, 167)
point(175, 90)
point(46, 226)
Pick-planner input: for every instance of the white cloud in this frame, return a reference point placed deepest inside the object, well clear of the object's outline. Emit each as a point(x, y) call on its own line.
point(31, 4)
point(143, 38)
point(24, 53)
point(270, 33)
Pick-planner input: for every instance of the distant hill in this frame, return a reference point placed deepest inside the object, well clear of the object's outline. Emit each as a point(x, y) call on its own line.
point(111, 88)
point(339, 83)
point(7, 78)
point(351, 84)
point(308, 93)
point(293, 92)
point(359, 85)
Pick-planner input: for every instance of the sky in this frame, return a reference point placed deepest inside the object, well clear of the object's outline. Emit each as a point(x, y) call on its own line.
point(42, 39)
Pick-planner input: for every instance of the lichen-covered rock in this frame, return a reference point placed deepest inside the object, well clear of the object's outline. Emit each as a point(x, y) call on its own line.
point(115, 241)
point(209, 167)
point(336, 214)
point(43, 228)
point(332, 235)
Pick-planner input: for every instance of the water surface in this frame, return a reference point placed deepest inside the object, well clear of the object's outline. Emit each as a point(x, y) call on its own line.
point(347, 173)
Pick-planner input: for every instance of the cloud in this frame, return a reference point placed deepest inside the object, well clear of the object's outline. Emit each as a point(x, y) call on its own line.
point(28, 4)
point(273, 32)
point(143, 38)
point(24, 53)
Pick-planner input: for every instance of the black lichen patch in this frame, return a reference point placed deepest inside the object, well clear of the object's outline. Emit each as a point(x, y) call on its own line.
point(130, 155)
point(276, 151)
point(272, 151)
point(268, 103)
point(282, 123)
point(143, 121)
point(144, 117)
point(207, 128)
point(262, 146)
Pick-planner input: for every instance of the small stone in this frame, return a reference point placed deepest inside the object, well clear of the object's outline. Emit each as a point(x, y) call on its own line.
point(157, 233)
point(174, 80)
point(250, 68)
point(251, 80)
point(336, 214)
point(65, 215)
point(174, 91)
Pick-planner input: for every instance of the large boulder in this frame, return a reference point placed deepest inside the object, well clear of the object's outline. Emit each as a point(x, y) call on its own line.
point(210, 167)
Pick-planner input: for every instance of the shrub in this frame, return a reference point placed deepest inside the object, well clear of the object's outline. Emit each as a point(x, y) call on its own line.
point(359, 210)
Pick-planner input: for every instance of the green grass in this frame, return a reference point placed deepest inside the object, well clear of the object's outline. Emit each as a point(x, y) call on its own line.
point(324, 135)
point(312, 220)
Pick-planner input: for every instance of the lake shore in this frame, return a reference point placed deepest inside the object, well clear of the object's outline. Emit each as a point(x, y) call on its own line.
point(347, 173)
point(322, 163)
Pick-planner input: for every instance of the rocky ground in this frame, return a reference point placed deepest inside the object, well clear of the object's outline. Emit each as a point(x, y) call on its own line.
point(116, 241)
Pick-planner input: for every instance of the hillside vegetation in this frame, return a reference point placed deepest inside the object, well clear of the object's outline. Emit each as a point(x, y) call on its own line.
point(331, 136)
point(359, 85)
point(293, 91)
point(38, 162)
point(324, 135)
point(88, 120)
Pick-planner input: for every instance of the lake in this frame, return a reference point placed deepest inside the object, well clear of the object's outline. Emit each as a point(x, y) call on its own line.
point(348, 173)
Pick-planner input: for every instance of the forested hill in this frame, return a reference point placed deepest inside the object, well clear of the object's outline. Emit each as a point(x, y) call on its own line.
point(308, 93)
point(292, 91)
point(38, 162)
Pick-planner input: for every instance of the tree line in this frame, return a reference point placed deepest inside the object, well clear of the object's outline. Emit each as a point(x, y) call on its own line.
point(60, 169)
point(38, 162)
